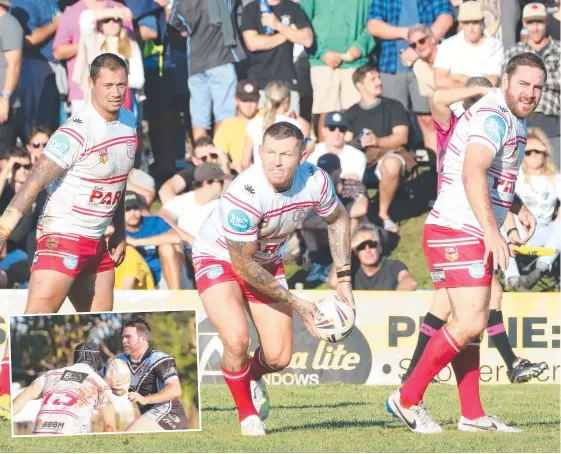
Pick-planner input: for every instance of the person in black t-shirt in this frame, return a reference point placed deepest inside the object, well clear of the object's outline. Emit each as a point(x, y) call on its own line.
point(271, 56)
point(374, 271)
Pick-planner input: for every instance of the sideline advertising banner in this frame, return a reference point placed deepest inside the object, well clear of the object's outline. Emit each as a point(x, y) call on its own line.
point(380, 347)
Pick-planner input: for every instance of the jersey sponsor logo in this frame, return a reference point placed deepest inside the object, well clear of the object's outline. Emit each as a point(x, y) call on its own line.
point(77, 120)
point(311, 169)
point(437, 275)
point(249, 189)
point(172, 371)
point(130, 150)
point(503, 109)
point(72, 375)
point(105, 198)
point(476, 270)
point(59, 145)
point(215, 272)
point(238, 221)
point(103, 156)
point(40, 424)
point(495, 128)
point(451, 254)
point(70, 262)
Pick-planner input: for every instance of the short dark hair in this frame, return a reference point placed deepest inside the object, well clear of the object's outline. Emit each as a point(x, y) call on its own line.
point(37, 130)
point(360, 73)
point(285, 130)
point(107, 60)
point(204, 141)
point(525, 59)
point(479, 82)
point(19, 152)
point(141, 326)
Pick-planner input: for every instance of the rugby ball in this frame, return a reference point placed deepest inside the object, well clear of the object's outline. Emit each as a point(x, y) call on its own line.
point(118, 376)
point(338, 319)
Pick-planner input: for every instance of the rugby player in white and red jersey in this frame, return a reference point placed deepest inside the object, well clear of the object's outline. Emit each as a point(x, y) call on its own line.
point(238, 264)
point(84, 167)
point(71, 396)
point(477, 192)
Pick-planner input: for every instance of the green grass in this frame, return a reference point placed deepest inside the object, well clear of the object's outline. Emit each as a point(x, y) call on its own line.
point(336, 418)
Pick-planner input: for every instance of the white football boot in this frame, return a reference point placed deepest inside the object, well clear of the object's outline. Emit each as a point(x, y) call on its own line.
point(252, 426)
point(260, 398)
point(487, 423)
point(417, 417)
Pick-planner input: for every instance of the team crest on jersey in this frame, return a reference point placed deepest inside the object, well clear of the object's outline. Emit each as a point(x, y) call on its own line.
point(52, 243)
point(451, 254)
point(495, 128)
point(130, 150)
point(299, 216)
point(103, 156)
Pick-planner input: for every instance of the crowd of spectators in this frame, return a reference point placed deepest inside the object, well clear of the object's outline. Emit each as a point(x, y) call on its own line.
point(362, 79)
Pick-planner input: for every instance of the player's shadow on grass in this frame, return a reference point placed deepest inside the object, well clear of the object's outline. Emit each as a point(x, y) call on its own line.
point(296, 406)
point(335, 425)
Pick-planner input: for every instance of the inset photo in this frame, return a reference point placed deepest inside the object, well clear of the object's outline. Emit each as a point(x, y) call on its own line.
point(106, 372)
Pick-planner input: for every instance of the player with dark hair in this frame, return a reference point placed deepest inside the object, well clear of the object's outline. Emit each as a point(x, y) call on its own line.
point(84, 168)
point(70, 396)
point(238, 265)
point(155, 385)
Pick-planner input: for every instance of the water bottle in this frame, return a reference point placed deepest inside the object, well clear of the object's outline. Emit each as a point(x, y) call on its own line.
point(265, 8)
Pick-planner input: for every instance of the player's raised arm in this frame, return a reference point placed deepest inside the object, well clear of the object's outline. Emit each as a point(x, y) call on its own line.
point(32, 392)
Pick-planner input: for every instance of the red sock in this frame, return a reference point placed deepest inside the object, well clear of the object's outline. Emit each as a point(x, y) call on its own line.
point(440, 350)
point(238, 382)
point(5, 377)
point(466, 369)
point(258, 367)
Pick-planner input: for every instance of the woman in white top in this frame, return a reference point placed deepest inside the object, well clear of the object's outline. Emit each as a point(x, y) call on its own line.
point(539, 187)
point(277, 109)
point(102, 31)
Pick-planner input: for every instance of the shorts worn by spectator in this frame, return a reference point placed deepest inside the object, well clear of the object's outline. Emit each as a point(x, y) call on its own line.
point(374, 271)
point(214, 45)
point(271, 56)
point(470, 53)
point(11, 43)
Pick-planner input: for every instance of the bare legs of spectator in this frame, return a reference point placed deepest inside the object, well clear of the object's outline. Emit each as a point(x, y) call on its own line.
point(426, 124)
point(171, 257)
point(390, 168)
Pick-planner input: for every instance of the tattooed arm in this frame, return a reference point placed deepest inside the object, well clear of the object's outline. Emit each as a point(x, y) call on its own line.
point(44, 172)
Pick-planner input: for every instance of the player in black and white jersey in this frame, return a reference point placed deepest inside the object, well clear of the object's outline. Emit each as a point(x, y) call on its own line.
point(155, 385)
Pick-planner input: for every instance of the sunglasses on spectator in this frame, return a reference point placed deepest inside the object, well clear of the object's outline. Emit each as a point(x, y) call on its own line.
point(340, 128)
point(39, 144)
point(529, 152)
point(370, 243)
point(18, 166)
point(110, 19)
point(210, 155)
point(421, 42)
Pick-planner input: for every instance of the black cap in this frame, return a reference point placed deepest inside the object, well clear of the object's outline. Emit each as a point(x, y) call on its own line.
point(88, 353)
point(209, 171)
point(134, 201)
point(335, 119)
point(247, 91)
point(329, 162)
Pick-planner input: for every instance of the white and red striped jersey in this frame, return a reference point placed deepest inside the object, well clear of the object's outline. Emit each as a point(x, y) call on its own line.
point(71, 395)
point(251, 211)
point(488, 122)
point(97, 157)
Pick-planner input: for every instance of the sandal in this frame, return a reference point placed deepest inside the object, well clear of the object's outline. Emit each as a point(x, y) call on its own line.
point(390, 226)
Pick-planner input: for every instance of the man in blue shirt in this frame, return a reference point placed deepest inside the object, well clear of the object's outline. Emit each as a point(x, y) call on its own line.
point(37, 88)
point(156, 241)
point(389, 21)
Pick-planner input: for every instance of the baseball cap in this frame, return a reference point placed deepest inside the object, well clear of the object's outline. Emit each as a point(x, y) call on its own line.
point(247, 91)
point(209, 171)
point(134, 200)
point(470, 11)
point(335, 119)
point(534, 11)
point(329, 162)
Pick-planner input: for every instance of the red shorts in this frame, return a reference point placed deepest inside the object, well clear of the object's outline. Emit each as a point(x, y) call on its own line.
point(72, 255)
point(209, 272)
point(455, 258)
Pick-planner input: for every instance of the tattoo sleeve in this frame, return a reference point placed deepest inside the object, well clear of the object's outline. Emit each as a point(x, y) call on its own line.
point(339, 232)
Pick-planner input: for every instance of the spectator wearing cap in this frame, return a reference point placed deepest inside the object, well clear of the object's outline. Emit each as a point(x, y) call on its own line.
point(271, 55)
point(389, 21)
point(213, 48)
point(314, 230)
point(470, 53)
point(342, 44)
point(11, 43)
point(67, 38)
point(186, 212)
point(156, 241)
point(546, 115)
point(37, 87)
point(374, 271)
point(230, 135)
point(380, 126)
point(353, 161)
point(184, 181)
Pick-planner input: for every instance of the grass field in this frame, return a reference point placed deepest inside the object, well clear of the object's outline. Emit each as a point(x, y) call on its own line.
point(336, 418)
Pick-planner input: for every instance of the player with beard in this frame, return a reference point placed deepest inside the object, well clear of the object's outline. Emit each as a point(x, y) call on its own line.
point(463, 244)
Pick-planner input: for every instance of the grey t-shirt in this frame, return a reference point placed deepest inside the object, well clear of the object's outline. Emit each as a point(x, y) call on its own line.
point(11, 37)
point(384, 279)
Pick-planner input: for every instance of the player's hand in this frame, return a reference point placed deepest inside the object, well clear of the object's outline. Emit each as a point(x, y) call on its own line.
point(270, 20)
point(345, 292)
point(308, 313)
point(514, 239)
point(137, 398)
point(369, 140)
point(4, 110)
point(332, 59)
point(496, 246)
point(528, 221)
point(117, 248)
